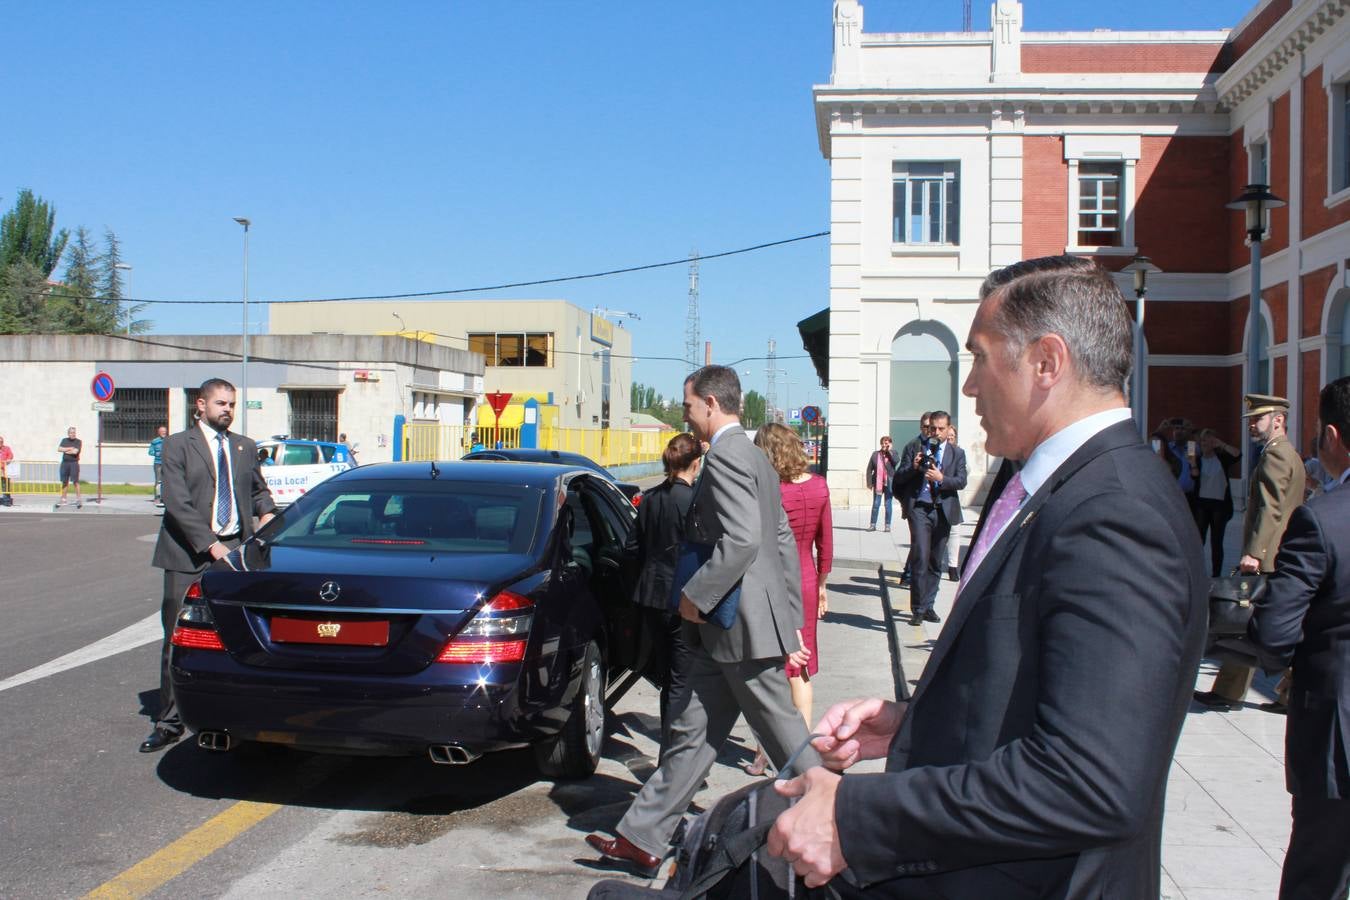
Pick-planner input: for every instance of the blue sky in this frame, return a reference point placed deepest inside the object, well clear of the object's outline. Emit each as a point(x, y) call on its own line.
point(417, 146)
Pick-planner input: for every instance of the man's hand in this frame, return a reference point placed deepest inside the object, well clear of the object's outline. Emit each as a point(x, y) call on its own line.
point(689, 611)
point(918, 460)
point(933, 474)
point(801, 656)
point(1249, 565)
point(265, 518)
point(806, 835)
point(856, 730)
point(218, 550)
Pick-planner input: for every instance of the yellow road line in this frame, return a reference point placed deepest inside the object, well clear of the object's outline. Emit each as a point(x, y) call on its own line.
point(175, 859)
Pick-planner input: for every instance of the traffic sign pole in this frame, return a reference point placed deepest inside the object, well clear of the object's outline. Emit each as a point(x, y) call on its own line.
point(99, 499)
point(103, 388)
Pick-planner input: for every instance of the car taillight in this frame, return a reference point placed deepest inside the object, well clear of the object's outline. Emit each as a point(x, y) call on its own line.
point(498, 632)
point(195, 629)
point(637, 499)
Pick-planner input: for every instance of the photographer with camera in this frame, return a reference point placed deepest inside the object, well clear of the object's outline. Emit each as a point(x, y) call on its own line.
point(927, 487)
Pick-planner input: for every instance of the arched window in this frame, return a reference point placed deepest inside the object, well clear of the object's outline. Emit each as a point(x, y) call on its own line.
point(1339, 338)
point(923, 377)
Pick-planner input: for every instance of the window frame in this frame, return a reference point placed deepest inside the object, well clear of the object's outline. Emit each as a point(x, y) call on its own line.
point(490, 345)
point(136, 409)
point(948, 181)
point(1122, 150)
point(1099, 206)
point(1336, 83)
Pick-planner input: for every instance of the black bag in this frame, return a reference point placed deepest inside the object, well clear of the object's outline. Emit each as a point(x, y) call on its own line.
point(721, 855)
point(1230, 604)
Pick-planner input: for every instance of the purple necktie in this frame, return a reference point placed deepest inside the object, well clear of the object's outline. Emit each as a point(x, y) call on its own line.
point(1005, 507)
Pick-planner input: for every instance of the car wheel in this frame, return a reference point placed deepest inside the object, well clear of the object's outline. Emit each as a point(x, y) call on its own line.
point(575, 751)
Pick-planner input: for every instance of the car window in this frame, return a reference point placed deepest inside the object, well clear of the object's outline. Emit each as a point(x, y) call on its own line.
point(447, 516)
point(327, 450)
point(299, 455)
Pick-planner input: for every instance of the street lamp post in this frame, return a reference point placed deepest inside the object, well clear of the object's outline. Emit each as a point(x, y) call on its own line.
point(1254, 201)
point(1141, 267)
point(243, 370)
point(125, 267)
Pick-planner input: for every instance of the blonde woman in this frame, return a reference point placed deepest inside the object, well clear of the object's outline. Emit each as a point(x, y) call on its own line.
point(807, 502)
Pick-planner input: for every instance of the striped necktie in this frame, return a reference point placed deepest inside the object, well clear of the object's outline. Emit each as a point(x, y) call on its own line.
point(222, 484)
point(1005, 507)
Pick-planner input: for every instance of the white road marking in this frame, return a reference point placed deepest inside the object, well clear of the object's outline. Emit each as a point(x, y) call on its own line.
point(145, 631)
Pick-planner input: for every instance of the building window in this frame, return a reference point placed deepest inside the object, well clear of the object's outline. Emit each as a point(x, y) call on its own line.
point(139, 413)
point(514, 349)
point(190, 409)
point(1099, 204)
point(1340, 137)
point(314, 415)
point(1258, 172)
point(1340, 334)
point(926, 200)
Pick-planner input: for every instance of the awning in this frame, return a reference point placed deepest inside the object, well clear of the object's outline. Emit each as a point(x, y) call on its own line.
point(815, 332)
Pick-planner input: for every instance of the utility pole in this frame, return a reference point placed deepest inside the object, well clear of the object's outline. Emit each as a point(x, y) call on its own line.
point(771, 383)
point(965, 16)
point(691, 329)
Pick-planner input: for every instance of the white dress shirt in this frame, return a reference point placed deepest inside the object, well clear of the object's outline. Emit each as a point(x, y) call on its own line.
point(212, 441)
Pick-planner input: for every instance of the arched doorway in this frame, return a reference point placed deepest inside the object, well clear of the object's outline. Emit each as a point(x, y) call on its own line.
point(924, 377)
point(1338, 336)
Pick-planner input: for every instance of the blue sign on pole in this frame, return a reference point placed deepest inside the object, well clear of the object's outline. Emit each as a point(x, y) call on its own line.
point(103, 387)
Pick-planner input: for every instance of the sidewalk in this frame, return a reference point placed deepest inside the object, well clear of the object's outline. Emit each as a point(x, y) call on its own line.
point(118, 504)
point(1227, 819)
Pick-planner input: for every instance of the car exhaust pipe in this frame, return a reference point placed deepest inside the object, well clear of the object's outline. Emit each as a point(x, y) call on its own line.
point(218, 741)
point(451, 754)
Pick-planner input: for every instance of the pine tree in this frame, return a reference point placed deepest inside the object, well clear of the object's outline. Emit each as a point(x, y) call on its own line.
point(27, 232)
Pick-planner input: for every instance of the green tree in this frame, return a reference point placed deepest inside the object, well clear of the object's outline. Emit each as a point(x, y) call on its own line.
point(75, 305)
point(752, 409)
point(28, 232)
point(23, 299)
point(110, 289)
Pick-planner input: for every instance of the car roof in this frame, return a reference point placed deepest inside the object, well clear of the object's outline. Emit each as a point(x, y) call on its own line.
point(540, 475)
point(286, 440)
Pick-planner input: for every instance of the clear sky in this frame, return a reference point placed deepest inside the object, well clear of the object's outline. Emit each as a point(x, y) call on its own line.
point(415, 146)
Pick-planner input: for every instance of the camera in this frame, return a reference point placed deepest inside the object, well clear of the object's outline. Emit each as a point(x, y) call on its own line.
point(928, 447)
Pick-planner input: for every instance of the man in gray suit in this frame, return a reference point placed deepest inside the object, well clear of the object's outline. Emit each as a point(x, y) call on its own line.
point(737, 509)
point(207, 513)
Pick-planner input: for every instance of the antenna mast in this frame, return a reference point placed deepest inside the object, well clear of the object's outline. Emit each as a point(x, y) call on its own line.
point(691, 330)
point(965, 16)
point(771, 384)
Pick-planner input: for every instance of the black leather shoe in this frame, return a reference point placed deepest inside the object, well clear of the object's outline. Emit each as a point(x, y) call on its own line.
point(621, 850)
point(160, 738)
point(1274, 706)
point(1214, 701)
point(916, 618)
point(930, 616)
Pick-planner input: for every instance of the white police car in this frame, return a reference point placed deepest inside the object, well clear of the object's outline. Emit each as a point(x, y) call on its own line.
point(292, 467)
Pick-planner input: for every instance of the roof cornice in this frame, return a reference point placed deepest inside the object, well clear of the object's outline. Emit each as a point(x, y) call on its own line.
point(1295, 30)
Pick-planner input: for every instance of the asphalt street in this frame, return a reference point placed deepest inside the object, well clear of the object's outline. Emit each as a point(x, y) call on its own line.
point(85, 812)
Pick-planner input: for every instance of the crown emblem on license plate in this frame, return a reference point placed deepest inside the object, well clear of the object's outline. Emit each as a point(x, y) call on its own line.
point(329, 629)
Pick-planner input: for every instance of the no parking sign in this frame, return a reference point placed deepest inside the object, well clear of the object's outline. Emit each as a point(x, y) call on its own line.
point(102, 387)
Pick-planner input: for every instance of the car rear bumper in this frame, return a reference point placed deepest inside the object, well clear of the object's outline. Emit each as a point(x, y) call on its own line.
point(479, 710)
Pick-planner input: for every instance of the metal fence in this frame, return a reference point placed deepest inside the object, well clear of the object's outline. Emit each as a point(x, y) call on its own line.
point(607, 446)
point(27, 476)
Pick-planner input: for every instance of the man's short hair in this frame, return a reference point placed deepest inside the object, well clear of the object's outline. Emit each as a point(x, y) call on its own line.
point(1333, 407)
point(939, 414)
point(720, 382)
point(1072, 297)
point(211, 385)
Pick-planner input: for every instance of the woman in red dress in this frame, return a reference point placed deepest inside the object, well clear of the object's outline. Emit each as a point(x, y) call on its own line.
point(807, 502)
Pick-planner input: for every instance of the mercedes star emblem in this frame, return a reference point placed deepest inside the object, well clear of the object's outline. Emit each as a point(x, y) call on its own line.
point(330, 591)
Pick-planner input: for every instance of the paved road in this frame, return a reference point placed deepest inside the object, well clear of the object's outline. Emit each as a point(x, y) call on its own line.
point(83, 809)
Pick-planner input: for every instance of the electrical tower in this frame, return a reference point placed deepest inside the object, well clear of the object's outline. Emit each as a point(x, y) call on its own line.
point(692, 343)
point(771, 383)
point(965, 16)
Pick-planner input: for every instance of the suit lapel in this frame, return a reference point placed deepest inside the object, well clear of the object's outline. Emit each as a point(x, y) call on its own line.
point(1112, 438)
point(203, 449)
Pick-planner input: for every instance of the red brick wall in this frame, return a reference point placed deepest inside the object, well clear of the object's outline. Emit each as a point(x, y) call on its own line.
point(1315, 287)
point(1238, 254)
point(1277, 301)
point(1280, 377)
point(1188, 328)
point(1316, 216)
point(1045, 196)
point(1257, 27)
point(1180, 183)
point(1312, 389)
point(1209, 397)
point(1068, 58)
point(1278, 160)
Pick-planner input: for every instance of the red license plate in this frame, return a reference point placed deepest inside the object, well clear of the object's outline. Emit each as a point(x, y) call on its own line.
point(329, 631)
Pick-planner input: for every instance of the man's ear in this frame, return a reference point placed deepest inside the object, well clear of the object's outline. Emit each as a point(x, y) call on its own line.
point(1049, 359)
point(1335, 437)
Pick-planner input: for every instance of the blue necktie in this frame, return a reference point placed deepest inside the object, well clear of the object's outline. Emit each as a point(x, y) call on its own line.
point(222, 485)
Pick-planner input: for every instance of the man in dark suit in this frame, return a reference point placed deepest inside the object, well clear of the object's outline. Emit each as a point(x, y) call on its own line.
point(738, 510)
point(907, 452)
point(928, 484)
point(1032, 759)
point(1304, 618)
point(212, 490)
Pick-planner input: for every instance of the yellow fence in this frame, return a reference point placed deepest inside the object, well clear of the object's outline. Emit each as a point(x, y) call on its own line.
point(29, 477)
point(607, 446)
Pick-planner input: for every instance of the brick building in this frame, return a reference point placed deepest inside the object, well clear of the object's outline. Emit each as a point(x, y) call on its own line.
point(952, 154)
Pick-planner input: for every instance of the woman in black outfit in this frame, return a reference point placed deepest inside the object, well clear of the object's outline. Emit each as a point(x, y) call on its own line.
point(656, 541)
point(1213, 496)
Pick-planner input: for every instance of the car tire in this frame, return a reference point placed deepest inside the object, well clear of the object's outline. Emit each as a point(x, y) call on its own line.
point(575, 751)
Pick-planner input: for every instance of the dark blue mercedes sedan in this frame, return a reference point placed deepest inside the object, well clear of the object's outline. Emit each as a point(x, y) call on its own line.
point(449, 608)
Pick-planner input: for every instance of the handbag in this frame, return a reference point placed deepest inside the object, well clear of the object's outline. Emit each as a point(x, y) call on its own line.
point(1231, 600)
point(692, 557)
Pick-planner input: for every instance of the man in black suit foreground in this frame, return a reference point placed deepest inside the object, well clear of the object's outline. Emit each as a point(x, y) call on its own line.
point(212, 490)
point(1032, 759)
point(1305, 619)
point(928, 484)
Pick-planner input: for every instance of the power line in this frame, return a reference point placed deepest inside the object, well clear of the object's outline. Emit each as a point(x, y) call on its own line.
point(468, 290)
